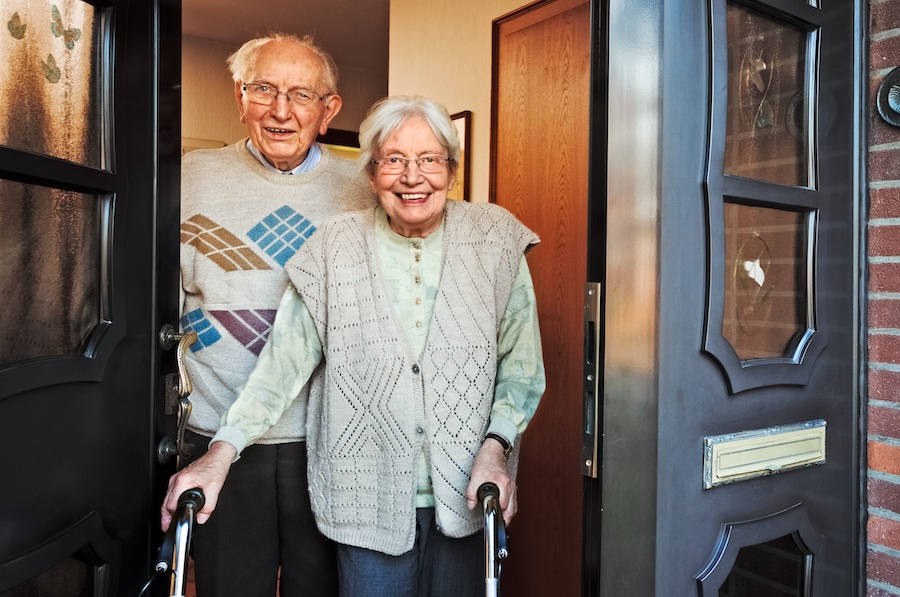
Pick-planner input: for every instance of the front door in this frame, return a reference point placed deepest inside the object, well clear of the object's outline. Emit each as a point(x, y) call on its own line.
point(89, 149)
point(730, 399)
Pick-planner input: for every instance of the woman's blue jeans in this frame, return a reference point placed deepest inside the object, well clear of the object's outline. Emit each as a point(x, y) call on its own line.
point(436, 566)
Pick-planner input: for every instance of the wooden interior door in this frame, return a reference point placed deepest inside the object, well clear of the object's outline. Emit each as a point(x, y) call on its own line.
point(540, 172)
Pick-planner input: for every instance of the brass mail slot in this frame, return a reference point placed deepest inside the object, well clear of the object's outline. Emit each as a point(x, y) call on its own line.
point(750, 454)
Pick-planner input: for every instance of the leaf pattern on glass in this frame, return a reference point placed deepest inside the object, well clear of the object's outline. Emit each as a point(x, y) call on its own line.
point(765, 116)
point(70, 36)
point(759, 67)
point(16, 27)
point(51, 71)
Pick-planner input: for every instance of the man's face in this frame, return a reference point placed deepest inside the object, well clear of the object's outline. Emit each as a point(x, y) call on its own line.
point(282, 131)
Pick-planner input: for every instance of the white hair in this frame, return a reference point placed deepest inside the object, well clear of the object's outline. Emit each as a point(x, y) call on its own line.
point(241, 63)
point(386, 116)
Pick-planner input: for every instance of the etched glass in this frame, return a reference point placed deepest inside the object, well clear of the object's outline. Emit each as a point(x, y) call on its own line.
point(50, 80)
point(49, 271)
point(766, 309)
point(767, 122)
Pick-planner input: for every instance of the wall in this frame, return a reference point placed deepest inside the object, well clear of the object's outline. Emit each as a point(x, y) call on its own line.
point(883, 527)
point(442, 50)
point(208, 109)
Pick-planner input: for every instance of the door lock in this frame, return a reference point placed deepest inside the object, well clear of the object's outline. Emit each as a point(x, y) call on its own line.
point(591, 382)
point(178, 388)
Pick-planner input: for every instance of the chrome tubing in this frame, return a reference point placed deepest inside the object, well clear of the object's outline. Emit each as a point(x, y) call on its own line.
point(183, 532)
point(176, 546)
point(495, 541)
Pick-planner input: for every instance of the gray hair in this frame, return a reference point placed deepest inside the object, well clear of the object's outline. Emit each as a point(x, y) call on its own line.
point(386, 116)
point(243, 60)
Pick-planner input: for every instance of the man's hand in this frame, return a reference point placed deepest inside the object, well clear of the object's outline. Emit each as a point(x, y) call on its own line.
point(490, 465)
point(208, 473)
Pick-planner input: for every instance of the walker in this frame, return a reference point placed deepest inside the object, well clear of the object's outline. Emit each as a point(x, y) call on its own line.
point(176, 544)
point(495, 540)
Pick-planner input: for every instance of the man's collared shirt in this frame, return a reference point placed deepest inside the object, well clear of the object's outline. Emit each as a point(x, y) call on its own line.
point(312, 158)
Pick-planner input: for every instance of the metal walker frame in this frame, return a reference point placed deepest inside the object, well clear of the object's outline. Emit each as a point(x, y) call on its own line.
point(495, 539)
point(176, 545)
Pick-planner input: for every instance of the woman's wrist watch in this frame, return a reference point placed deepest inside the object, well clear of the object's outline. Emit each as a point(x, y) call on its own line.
point(507, 447)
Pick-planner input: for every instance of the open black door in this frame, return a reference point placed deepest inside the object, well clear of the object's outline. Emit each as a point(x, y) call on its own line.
point(729, 411)
point(89, 156)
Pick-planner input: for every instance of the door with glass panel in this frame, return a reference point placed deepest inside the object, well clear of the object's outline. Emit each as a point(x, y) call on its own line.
point(730, 403)
point(89, 150)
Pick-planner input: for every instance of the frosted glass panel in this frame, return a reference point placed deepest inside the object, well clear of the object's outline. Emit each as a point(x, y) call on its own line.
point(776, 568)
point(49, 271)
point(50, 100)
point(767, 129)
point(766, 255)
point(73, 577)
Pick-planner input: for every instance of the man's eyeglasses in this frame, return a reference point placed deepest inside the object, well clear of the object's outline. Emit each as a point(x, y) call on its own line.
point(260, 93)
point(395, 164)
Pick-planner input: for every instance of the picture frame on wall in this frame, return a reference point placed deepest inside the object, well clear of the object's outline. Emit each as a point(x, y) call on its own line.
point(188, 144)
point(463, 122)
point(344, 144)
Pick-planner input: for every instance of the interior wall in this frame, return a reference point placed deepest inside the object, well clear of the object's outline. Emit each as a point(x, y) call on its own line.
point(208, 109)
point(442, 50)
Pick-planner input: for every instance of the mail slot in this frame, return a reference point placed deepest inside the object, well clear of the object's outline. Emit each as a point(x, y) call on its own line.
point(760, 452)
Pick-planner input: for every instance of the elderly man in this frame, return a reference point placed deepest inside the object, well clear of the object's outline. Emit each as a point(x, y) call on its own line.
point(246, 209)
point(416, 402)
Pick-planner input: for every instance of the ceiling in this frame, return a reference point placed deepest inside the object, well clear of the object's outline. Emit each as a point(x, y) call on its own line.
point(355, 32)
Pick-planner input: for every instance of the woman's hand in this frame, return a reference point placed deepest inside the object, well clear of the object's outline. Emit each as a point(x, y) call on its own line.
point(490, 466)
point(208, 473)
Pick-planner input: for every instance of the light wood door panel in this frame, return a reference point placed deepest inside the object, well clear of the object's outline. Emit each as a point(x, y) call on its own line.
point(540, 173)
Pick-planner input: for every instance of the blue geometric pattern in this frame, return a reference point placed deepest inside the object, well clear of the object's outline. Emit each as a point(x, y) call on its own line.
point(207, 334)
point(281, 233)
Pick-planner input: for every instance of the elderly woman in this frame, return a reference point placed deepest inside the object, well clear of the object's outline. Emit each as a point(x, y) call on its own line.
point(416, 325)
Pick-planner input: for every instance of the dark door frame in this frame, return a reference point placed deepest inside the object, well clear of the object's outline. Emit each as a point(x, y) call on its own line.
point(596, 268)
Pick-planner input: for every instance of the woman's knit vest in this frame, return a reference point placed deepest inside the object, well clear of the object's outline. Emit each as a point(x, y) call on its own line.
point(374, 405)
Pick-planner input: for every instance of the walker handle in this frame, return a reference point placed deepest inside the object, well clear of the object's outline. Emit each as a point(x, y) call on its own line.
point(488, 489)
point(495, 539)
point(176, 544)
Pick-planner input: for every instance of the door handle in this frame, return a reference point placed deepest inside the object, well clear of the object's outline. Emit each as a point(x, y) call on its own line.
point(593, 337)
point(178, 388)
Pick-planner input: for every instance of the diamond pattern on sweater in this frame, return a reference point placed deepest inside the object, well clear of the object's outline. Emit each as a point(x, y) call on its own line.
point(281, 233)
point(250, 327)
point(369, 426)
point(220, 245)
point(207, 334)
point(453, 377)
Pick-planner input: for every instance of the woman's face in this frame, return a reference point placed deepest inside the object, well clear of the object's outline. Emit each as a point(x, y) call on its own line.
point(414, 200)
